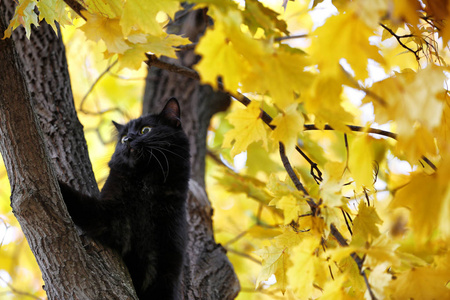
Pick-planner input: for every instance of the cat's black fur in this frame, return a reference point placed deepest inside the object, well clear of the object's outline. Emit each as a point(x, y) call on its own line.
point(141, 212)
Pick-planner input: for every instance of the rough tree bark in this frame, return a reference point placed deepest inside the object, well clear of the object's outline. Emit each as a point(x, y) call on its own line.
point(41, 140)
point(208, 272)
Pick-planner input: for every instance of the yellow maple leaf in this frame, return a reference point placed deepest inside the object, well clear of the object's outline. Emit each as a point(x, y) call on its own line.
point(361, 160)
point(308, 270)
point(370, 11)
point(280, 188)
point(224, 46)
point(345, 35)
point(284, 79)
point(291, 207)
point(331, 186)
point(288, 239)
point(98, 27)
point(158, 45)
point(23, 15)
point(288, 125)
point(365, 225)
point(408, 100)
point(53, 11)
point(141, 15)
point(421, 283)
point(416, 108)
point(337, 289)
point(324, 100)
point(274, 262)
point(107, 8)
point(425, 196)
point(406, 10)
point(248, 128)
point(379, 280)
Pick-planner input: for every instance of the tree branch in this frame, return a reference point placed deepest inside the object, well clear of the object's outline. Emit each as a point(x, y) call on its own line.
point(76, 6)
point(290, 171)
point(357, 129)
point(359, 262)
point(153, 61)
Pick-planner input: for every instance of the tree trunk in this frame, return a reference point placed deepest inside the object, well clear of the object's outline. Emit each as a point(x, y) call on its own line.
point(208, 274)
point(41, 140)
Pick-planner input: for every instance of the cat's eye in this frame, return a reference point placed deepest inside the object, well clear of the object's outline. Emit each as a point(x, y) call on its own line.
point(146, 129)
point(124, 139)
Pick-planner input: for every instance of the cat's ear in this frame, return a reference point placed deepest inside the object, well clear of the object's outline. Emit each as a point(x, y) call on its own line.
point(171, 112)
point(118, 126)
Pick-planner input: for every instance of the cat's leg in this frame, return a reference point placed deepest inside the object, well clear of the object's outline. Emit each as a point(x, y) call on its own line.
point(86, 211)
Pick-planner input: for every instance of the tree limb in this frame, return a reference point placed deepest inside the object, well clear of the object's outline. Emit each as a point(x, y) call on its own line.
point(76, 6)
point(357, 129)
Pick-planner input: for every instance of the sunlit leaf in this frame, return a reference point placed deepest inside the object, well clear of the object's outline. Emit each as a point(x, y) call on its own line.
point(365, 227)
point(248, 128)
point(24, 15)
point(288, 125)
point(141, 15)
point(344, 34)
point(98, 28)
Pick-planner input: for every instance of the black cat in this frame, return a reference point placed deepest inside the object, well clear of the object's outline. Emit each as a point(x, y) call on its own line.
point(141, 212)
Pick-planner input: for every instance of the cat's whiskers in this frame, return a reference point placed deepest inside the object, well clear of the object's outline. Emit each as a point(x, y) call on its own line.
point(165, 174)
point(167, 150)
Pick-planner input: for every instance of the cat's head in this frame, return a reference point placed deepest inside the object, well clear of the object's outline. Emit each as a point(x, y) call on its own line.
point(151, 143)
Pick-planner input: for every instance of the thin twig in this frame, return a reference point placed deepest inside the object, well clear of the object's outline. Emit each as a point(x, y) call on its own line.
point(425, 159)
point(314, 168)
point(236, 238)
point(17, 292)
point(289, 37)
point(399, 39)
point(346, 222)
point(245, 255)
point(91, 88)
